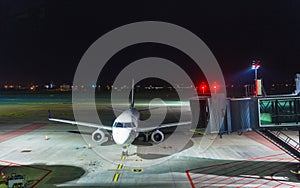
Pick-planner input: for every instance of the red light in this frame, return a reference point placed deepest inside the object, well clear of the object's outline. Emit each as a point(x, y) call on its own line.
point(215, 88)
point(255, 65)
point(203, 87)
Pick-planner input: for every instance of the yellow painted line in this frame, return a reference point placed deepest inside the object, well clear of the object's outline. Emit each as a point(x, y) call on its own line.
point(116, 177)
point(137, 170)
point(120, 166)
point(198, 132)
point(295, 172)
point(123, 157)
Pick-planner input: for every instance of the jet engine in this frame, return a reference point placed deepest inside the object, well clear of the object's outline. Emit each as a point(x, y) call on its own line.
point(98, 136)
point(157, 137)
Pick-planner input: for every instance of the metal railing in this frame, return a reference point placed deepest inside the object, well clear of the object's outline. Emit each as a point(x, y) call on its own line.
point(290, 141)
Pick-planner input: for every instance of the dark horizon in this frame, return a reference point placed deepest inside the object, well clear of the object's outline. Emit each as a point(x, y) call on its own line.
point(43, 41)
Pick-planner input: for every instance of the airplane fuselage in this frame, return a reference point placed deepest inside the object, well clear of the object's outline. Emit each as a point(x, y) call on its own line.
point(124, 127)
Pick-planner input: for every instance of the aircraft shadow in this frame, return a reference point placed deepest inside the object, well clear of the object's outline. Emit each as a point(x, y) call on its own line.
point(80, 132)
point(157, 156)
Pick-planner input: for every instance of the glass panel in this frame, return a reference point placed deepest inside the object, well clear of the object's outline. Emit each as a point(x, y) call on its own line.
point(127, 125)
point(118, 125)
point(279, 112)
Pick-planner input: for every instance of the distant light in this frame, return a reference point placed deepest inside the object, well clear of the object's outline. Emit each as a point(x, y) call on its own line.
point(215, 88)
point(255, 65)
point(32, 88)
point(203, 87)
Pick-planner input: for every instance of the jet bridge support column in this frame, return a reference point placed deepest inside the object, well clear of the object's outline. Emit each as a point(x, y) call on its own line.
point(208, 113)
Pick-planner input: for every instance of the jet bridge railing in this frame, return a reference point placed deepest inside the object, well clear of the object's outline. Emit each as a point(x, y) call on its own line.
point(284, 142)
point(290, 141)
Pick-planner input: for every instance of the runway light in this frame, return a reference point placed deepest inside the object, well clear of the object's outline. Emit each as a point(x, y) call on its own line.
point(215, 88)
point(203, 87)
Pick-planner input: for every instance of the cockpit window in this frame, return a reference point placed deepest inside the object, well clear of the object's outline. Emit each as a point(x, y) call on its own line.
point(118, 124)
point(123, 125)
point(127, 125)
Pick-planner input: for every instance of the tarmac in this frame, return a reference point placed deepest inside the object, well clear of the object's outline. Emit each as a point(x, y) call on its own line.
point(56, 155)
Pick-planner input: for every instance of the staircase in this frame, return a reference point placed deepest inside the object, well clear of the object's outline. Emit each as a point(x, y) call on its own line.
point(283, 141)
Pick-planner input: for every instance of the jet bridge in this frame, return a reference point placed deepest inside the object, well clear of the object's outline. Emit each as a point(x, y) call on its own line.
point(243, 114)
point(276, 113)
point(257, 113)
point(268, 116)
point(279, 111)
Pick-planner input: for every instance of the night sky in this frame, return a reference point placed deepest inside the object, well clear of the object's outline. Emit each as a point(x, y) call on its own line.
point(43, 41)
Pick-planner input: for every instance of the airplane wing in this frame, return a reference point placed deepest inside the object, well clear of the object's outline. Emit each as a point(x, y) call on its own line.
point(82, 123)
point(146, 129)
point(86, 124)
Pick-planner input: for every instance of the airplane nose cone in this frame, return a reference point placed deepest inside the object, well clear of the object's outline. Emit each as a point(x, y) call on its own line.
point(120, 135)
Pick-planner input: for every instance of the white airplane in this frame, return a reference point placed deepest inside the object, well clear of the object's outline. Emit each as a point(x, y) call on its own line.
point(125, 127)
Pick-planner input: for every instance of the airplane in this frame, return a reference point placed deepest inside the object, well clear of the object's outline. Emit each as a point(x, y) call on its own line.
point(125, 127)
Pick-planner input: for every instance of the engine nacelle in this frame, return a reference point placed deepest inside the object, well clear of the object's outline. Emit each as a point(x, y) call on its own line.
point(98, 136)
point(157, 137)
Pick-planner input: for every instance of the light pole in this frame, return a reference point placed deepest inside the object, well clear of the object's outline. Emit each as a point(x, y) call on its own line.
point(255, 66)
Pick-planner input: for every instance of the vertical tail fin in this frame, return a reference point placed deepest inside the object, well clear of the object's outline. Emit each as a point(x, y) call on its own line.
point(132, 94)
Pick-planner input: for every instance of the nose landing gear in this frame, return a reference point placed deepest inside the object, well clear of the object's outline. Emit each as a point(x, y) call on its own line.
point(125, 151)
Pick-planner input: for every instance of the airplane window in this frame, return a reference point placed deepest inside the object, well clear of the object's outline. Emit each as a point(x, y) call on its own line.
point(118, 124)
point(127, 125)
point(123, 125)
